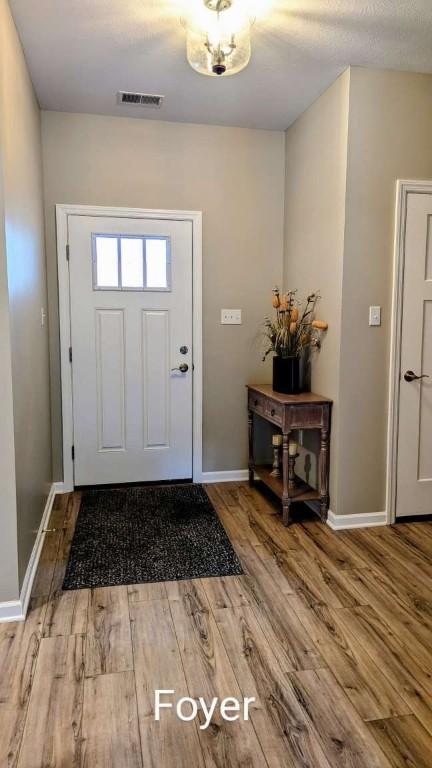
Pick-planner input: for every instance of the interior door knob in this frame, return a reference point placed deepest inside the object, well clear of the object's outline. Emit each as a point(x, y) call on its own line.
point(183, 368)
point(411, 376)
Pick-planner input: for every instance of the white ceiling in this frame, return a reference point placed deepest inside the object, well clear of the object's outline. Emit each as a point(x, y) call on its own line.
point(81, 52)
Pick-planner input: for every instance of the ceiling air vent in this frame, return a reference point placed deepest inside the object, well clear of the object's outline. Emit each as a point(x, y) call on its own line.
point(140, 99)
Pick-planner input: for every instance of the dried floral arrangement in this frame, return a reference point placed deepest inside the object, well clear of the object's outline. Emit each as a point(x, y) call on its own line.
point(294, 329)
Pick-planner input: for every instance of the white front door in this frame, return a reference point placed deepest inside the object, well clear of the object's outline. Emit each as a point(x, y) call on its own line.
point(131, 324)
point(414, 468)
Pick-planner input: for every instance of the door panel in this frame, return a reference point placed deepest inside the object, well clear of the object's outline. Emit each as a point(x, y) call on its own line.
point(110, 367)
point(425, 447)
point(428, 270)
point(414, 468)
point(131, 311)
point(155, 342)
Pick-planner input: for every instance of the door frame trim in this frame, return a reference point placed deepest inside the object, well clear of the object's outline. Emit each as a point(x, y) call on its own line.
point(63, 211)
point(403, 189)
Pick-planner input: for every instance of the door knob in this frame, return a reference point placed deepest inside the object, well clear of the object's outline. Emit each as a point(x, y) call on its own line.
point(183, 368)
point(411, 376)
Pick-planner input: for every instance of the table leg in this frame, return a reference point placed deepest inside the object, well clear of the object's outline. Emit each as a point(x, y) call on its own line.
point(286, 501)
point(324, 474)
point(251, 448)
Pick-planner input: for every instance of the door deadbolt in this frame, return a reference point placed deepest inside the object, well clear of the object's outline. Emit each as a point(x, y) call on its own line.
point(184, 350)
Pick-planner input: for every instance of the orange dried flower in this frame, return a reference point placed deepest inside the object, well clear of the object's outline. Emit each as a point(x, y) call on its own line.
point(320, 325)
point(294, 314)
point(293, 328)
point(284, 305)
point(276, 298)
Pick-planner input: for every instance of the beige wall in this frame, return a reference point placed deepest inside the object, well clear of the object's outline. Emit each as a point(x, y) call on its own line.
point(390, 138)
point(316, 161)
point(235, 177)
point(346, 247)
point(9, 589)
point(26, 287)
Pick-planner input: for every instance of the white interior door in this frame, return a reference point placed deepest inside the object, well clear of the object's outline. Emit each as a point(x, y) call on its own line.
point(414, 468)
point(131, 324)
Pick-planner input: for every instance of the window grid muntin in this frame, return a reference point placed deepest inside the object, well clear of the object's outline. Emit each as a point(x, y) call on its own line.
point(144, 239)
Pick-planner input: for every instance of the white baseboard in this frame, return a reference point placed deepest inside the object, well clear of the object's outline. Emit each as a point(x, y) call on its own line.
point(59, 487)
point(11, 611)
point(344, 522)
point(230, 476)
point(16, 610)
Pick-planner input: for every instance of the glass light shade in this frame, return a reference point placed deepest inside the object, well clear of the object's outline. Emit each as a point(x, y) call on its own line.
point(219, 43)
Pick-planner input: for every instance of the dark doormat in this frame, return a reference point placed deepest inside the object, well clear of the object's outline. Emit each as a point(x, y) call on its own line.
point(147, 534)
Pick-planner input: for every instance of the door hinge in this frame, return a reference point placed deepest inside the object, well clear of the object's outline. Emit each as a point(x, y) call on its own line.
point(70, 354)
point(67, 252)
point(73, 453)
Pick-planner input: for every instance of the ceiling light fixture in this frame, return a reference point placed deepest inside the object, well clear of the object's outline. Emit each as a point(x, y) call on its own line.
point(218, 37)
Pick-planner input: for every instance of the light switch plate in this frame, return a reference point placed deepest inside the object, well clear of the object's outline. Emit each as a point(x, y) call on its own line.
point(231, 317)
point(374, 315)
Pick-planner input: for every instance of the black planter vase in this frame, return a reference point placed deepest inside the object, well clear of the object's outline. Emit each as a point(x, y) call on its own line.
point(286, 375)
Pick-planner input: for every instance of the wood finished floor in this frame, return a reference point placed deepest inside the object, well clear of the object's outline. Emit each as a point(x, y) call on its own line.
point(331, 633)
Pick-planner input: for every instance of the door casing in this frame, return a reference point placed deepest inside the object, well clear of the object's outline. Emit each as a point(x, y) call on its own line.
point(63, 211)
point(403, 189)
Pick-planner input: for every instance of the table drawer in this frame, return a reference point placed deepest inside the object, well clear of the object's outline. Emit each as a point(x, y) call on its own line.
point(257, 403)
point(274, 412)
point(307, 416)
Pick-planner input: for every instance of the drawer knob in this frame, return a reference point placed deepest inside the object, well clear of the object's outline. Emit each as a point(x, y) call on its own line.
point(256, 402)
point(273, 411)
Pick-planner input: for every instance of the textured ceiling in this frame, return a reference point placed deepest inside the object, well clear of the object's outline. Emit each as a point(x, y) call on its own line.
point(81, 52)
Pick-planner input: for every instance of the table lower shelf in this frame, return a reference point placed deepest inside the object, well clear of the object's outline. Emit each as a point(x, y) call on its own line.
point(302, 491)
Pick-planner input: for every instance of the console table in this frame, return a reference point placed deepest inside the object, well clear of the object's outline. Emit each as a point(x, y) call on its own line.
point(289, 413)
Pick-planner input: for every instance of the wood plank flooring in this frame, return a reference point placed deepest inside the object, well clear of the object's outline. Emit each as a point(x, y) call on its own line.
point(330, 633)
